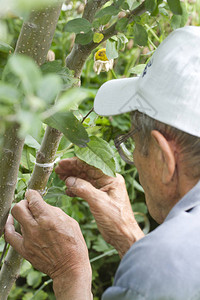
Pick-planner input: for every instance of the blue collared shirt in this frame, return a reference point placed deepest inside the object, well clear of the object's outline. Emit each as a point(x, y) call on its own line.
point(165, 264)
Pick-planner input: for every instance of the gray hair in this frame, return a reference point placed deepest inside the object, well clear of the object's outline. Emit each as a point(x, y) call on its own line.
point(188, 144)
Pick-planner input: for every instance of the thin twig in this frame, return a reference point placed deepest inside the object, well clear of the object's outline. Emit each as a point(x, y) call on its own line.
point(91, 110)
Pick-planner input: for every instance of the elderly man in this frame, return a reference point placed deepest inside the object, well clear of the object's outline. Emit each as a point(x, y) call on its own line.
point(165, 110)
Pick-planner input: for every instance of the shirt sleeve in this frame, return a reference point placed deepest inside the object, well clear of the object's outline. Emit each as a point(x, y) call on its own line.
point(120, 293)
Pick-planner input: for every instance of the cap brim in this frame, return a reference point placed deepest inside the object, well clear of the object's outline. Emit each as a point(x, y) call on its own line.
point(116, 97)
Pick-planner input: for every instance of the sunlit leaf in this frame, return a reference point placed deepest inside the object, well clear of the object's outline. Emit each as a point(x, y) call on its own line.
point(137, 69)
point(34, 278)
point(8, 93)
point(111, 49)
point(98, 37)
point(26, 71)
point(49, 87)
point(70, 126)
point(5, 47)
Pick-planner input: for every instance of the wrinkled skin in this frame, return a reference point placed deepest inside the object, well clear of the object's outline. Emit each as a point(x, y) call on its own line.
point(108, 201)
point(52, 241)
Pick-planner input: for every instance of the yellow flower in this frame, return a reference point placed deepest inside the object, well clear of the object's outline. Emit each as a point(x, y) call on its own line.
point(101, 62)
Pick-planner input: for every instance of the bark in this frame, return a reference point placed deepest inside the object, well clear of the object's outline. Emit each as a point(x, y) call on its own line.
point(9, 162)
point(37, 33)
point(46, 154)
point(34, 40)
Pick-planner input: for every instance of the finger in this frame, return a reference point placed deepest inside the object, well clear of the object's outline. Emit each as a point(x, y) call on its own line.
point(76, 168)
point(36, 204)
point(22, 213)
point(67, 166)
point(85, 190)
point(12, 237)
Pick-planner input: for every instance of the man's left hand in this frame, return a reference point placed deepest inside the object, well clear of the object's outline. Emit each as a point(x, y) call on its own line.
point(53, 243)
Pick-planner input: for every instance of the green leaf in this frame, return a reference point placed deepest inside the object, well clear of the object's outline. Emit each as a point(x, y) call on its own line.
point(49, 87)
point(140, 35)
point(34, 278)
point(64, 73)
point(178, 21)
point(150, 5)
point(175, 7)
point(24, 7)
point(98, 37)
point(26, 70)
point(25, 268)
point(8, 93)
point(25, 158)
point(27, 119)
point(78, 25)
point(28, 296)
point(70, 126)
point(5, 48)
point(137, 69)
point(41, 295)
point(31, 142)
point(111, 49)
point(122, 24)
point(100, 245)
point(99, 154)
point(84, 38)
point(121, 41)
point(69, 100)
point(131, 3)
point(109, 10)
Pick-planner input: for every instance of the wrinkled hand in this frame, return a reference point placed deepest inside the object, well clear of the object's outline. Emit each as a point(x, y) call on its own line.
point(108, 201)
point(51, 241)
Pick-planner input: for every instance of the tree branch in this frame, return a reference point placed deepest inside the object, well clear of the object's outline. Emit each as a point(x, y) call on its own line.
point(81, 52)
point(108, 33)
point(34, 40)
point(91, 9)
point(46, 154)
point(9, 162)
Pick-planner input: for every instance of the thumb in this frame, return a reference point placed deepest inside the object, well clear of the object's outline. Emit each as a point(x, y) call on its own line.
point(84, 189)
point(36, 203)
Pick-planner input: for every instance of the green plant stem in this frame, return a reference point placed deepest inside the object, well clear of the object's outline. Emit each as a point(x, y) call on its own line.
point(41, 288)
point(113, 251)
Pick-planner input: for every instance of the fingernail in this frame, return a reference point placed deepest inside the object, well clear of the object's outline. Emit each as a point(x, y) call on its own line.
point(70, 181)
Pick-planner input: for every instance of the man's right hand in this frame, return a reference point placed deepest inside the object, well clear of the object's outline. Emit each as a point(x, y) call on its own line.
point(108, 201)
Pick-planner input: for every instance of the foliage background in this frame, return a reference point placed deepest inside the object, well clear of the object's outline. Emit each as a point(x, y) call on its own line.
point(33, 284)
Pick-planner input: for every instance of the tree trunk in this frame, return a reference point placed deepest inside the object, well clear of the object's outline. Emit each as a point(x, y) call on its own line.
point(34, 40)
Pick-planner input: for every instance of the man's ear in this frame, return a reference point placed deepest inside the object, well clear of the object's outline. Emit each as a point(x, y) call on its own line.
point(168, 156)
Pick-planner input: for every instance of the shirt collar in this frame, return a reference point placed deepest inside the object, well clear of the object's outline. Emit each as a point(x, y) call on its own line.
point(189, 200)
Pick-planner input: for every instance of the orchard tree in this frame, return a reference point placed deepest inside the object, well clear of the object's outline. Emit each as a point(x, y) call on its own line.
point(40, 95)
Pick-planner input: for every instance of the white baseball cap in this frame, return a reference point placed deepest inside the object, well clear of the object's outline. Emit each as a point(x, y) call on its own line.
point(169, 88)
